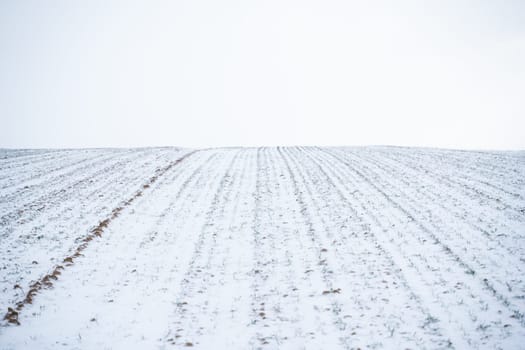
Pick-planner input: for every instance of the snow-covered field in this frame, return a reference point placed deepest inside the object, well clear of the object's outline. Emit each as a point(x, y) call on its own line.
point(270, 248)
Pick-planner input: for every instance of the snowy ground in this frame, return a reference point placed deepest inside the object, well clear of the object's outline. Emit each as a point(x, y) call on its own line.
point(270, 248)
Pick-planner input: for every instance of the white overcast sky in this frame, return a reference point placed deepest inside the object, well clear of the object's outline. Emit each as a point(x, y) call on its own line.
point(222, 73)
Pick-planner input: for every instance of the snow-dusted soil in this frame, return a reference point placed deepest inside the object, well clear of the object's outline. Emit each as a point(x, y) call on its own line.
point(270, 248)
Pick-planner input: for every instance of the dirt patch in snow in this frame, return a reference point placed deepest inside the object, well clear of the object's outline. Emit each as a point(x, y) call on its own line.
point(45, 282)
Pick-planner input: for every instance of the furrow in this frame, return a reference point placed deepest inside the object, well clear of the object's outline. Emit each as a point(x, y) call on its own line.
point(364, 257)
point(194, 285)
point(477, 260)
point(453, 297)
point(46, 282)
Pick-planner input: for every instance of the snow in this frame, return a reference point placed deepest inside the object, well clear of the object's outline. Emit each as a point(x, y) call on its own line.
point(264, 248)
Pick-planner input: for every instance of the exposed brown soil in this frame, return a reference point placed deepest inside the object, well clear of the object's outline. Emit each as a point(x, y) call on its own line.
point(46, 281)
